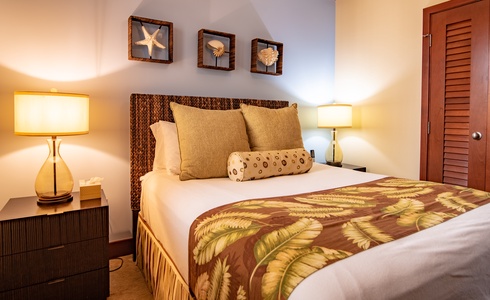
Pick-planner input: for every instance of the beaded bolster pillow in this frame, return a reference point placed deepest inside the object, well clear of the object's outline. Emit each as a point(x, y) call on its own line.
point(252, 165)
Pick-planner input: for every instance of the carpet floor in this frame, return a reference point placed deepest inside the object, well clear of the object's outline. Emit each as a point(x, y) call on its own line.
point(126, 280)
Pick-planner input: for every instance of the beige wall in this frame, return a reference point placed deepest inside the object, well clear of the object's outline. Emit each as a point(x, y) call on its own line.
point(378, 57)
point(81, 47)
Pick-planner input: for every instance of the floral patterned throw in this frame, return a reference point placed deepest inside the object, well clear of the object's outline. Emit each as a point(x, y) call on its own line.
point(263, 248)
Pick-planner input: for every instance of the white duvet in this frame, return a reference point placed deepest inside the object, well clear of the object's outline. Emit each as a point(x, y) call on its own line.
point(455, 266)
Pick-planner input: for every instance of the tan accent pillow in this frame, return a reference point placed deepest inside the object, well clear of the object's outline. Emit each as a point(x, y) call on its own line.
point(206, 139)
point(264, 164)
point(272, 129)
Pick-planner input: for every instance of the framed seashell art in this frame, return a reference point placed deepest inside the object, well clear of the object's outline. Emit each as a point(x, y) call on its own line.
point(150, 40)
point(266, 57)
point(216, 50)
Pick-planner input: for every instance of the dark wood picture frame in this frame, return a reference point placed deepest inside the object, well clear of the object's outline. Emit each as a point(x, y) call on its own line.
point(140, 52)
point(205, 56)
point(258, 67)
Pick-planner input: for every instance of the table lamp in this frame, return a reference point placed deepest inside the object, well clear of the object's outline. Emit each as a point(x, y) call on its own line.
point(52, 114)
point(334, 116)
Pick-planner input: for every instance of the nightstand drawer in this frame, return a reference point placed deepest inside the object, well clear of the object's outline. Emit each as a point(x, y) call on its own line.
point(57, 251)
point(34, 267)
point(27, 234)
point(90, 285)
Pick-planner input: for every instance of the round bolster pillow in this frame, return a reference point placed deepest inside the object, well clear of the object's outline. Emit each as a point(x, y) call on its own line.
point(252, 165)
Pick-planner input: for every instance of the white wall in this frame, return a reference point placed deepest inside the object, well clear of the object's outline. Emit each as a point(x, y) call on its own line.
point(81, 47)
point(378, 68)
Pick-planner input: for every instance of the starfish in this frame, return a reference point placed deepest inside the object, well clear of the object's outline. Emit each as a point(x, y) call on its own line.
point(150, 40)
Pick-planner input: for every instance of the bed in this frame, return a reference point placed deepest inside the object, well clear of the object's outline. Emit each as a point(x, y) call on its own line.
point(448, 261)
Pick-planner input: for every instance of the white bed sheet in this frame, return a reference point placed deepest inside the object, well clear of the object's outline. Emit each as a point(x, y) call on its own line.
point(458, 262)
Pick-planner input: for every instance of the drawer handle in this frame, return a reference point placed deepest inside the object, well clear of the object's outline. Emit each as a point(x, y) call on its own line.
point(56, 248)
point(57, 281)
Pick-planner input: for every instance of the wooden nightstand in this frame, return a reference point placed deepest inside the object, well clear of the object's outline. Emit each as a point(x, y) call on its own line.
point(353, 167)
point(54, 251)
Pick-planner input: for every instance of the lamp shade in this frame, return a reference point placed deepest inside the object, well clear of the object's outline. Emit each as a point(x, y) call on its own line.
point(50, 113)
point(335, 116)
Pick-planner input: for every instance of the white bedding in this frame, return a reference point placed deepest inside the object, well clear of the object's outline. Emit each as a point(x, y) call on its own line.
point(456, 267)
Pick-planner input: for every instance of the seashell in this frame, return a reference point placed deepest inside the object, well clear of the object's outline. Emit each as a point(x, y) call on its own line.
point(268, 56)
point(217, 47)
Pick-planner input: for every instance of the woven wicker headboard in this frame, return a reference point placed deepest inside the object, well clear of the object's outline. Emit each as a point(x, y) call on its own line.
point(146, 109)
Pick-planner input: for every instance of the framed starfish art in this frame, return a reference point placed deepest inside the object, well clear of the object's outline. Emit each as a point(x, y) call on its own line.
point(150, 40)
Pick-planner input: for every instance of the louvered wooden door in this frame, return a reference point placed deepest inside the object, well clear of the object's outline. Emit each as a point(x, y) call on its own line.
point(455, 94)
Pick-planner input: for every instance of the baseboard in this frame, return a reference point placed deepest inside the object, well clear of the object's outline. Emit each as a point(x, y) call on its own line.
point(120, 248)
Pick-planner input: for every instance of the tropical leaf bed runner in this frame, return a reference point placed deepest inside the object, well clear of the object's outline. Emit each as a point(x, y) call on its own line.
point(263, 248)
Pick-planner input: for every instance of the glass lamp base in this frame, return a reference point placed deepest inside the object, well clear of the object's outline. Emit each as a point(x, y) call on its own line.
point(54, 182)
point(55, 200)
point(334, 154)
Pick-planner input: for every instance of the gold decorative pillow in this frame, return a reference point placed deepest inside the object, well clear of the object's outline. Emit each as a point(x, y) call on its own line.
point(272, 129)
point(264, 164)
point(206, 139)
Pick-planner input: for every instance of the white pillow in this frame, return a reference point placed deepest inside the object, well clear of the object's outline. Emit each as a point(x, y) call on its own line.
point(167, 151)
point(159, 160)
